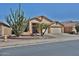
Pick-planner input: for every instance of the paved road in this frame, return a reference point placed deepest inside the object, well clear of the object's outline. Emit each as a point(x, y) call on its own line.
point(69, 48)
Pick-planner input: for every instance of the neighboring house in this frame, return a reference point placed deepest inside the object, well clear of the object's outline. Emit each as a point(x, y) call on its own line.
point(52, 28)
point(69, 27)
point(4, 29)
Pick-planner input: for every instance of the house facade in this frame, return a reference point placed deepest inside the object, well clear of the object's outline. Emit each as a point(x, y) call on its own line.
point(4, 29)
point(53, 27)
point(69, 27)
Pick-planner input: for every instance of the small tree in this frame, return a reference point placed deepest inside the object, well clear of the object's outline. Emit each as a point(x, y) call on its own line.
point(17, 21)
point(77, 27)
point(42, 26)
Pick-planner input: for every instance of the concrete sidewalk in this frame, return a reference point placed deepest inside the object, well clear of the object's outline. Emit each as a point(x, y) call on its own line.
point(17, 42)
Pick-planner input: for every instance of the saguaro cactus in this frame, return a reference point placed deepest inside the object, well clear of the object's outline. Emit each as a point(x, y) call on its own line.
point(17, 21)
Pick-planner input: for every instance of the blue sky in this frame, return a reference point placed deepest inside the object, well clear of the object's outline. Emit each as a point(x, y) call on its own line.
point(58, 12)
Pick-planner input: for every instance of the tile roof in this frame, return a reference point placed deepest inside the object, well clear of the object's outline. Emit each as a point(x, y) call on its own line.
point(39, 18)
point(4, 24)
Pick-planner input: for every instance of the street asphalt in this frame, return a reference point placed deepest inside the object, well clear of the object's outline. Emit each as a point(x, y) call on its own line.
point(67, 48)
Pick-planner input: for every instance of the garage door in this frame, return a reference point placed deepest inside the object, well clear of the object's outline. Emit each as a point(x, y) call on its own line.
point(55, 30)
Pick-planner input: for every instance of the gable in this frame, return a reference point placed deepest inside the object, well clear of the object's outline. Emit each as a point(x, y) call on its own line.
point(42, 19)
point(45, 21)
point(34, 21)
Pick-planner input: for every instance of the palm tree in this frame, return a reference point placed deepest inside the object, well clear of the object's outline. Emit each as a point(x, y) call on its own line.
point(42, 26)
point(17, 21)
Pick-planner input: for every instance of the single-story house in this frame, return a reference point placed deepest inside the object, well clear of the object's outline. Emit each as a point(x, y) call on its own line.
point(53, 27)
point(69, 27)
point(4, 29)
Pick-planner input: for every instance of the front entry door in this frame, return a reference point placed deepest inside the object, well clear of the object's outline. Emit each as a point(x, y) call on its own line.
point(34, 28)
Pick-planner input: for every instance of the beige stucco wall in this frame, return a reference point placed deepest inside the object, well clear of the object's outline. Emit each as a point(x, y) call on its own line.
point(0, 30)
point(6, 30)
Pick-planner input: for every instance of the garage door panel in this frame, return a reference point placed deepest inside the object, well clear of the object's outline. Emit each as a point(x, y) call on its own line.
point(55, 30)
